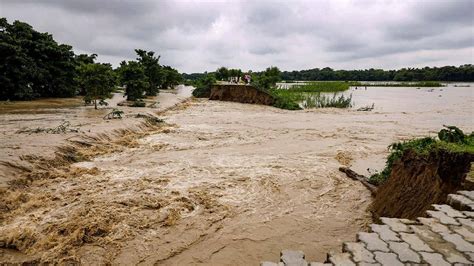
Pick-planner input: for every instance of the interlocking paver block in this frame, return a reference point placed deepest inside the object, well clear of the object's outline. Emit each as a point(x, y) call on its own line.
point(468, 223)
point(456, 257)
point(464, 232)
point(468, 194)
point(442, 217)
point(408, 222)
point(269, 263)
point(434, 225)
point(395, 224)
point(359, 252)
point(387, 258)
point(460, 243)
point(372, 241)
point(343, 259)
point(460, 202)
point(448, 210)
point(425, 234)
point(470, 255)
point(468, 214)
point(434, 259)
point(293, 258)
point(404, 252)
point(415, 242)
point(385, 233)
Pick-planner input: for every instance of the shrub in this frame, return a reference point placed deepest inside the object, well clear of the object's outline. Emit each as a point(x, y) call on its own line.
point(450, 139)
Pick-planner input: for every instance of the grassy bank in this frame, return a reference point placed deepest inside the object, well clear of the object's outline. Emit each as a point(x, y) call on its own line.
point(450, 139)
point(308, 95)
point(398, 84)
point(321, 86)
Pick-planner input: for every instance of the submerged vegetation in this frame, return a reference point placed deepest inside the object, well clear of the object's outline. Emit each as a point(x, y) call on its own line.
point(450, 139)
point(399, 84)
point(312, 95)
point(318, 100)
point(320, 86)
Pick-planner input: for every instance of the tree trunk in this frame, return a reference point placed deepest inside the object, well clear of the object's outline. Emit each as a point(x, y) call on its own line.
point(95, 104)
point(353, 175)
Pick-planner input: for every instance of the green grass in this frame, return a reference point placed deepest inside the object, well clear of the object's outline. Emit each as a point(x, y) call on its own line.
point(398, 84)
point(318, 100)
point(321, 86)
point(450, 139)
point(290, 99)
point(286, 99)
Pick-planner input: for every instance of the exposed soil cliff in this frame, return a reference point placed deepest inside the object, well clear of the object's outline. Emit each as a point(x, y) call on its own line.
point(418, 181)
point(240, 93)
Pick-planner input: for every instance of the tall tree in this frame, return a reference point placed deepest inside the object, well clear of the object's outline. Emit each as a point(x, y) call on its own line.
point(98, 81)
point(152, 69)
point(171, 77)
point(266, 79)
point(33, 64)
point(132, 76)
point(222, 73)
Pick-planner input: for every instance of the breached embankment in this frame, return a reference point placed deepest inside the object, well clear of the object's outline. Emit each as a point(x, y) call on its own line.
point(416, 182)
point(241, 94)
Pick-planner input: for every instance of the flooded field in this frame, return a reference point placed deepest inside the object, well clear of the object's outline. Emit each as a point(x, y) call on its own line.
point(220, 183)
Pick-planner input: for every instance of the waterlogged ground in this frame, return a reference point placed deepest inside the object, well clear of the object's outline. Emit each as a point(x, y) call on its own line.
point(224, 183)
point(18, 120)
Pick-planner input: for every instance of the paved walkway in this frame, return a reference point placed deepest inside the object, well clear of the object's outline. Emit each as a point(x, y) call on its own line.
point(445, 238)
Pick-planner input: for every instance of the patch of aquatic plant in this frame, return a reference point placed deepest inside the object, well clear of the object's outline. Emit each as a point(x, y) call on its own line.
point(321, 86)
point(285, 99)
point(450, 139)
point(318, 100)
point(397, 84)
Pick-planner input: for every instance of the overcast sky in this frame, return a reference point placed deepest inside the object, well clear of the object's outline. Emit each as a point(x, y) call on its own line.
point(195, 36)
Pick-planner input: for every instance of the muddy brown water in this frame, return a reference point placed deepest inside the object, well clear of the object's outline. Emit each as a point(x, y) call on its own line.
point(226, 184)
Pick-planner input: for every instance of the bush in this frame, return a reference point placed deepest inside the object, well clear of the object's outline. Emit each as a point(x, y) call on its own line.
point(203, 86)
point(451, 139)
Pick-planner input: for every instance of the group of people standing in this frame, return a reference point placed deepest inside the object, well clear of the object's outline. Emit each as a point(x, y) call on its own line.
point(246, 79)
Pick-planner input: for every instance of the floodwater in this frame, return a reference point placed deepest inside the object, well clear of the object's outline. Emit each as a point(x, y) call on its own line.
point(224, 184)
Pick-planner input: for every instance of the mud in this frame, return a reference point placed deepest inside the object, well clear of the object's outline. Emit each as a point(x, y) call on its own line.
point(417, 182)
point(221, 183)
point(241, 94)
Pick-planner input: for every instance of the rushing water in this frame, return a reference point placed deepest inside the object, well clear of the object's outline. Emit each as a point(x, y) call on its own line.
point(224, 183)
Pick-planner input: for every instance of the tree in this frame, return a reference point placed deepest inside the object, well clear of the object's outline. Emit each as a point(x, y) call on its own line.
point(82, 60)
point(266, 79)
point(171, 77)
point(132, 76)
point(222, 73)
point(98, 81)
point(152, 70)
point(203, 86)
point(33, 64)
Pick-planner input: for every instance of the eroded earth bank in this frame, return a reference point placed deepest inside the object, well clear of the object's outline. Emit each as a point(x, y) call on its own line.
point(219, 183)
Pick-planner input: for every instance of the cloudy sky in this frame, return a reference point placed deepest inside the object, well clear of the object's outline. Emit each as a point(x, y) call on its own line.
point(195, 36)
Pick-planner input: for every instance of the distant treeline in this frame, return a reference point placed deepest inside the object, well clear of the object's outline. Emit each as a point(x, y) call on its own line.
point(446, 73)
point(33, 65)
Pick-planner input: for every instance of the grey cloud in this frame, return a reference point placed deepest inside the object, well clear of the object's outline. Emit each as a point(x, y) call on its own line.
point(203, 35)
